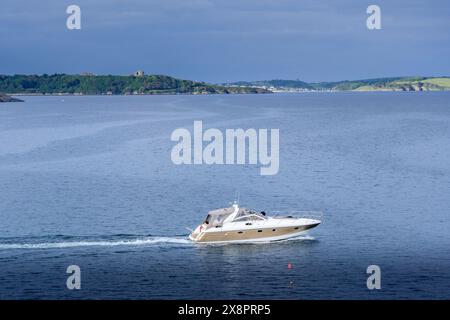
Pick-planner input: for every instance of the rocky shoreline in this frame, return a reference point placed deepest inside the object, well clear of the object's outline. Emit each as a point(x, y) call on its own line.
point(5, 98)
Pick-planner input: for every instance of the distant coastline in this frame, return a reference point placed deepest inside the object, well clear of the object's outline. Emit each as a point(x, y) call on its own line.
point(89, 84)
point(141, 84)
point(377, 84)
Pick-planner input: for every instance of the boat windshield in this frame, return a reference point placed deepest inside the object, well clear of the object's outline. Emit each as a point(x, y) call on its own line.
point(248, 215)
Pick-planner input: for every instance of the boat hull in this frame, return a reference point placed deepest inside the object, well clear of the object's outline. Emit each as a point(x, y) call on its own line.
point(251, 235)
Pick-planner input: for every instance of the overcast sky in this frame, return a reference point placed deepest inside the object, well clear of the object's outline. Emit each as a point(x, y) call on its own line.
point(227, 40)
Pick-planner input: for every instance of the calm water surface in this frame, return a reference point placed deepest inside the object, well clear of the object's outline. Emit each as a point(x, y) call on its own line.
point(89, 181)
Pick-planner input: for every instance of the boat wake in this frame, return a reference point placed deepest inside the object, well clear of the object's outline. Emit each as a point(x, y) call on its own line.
point(61, 242)
point(73, 242)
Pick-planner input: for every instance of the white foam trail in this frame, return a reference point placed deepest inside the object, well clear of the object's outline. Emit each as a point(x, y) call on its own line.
point(302, 237)
point(126, 242)
point(111, 243)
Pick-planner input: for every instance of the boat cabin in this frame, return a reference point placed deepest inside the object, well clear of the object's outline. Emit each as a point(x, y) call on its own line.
point(217, 217)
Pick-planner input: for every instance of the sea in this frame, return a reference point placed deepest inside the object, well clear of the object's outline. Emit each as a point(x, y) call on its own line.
point(89, 181)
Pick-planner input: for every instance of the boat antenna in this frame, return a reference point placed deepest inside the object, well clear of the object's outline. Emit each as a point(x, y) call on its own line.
point(236, 197)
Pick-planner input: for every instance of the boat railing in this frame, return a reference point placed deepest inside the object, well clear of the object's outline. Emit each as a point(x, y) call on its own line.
point(309, 214)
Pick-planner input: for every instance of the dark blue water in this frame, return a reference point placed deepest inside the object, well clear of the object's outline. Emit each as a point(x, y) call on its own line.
point(89, 181)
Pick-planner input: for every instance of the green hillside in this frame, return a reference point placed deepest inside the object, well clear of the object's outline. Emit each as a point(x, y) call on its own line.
point(111, 84)
point(410, 84)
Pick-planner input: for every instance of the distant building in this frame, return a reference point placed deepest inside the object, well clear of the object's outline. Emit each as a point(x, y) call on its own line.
point(139, 73)
point(87, 74)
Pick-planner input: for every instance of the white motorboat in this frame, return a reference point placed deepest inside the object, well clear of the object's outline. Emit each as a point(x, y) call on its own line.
point(235, 224)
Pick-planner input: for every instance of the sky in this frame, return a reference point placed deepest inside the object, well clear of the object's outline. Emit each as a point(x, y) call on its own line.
point(227, 40)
